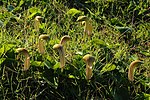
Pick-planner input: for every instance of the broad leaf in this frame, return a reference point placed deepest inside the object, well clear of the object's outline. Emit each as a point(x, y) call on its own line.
point(37, 63)
point(98, 42)
point(124, 29)
point(73, 12)
point(108, 67)
point(71, 76)
point(57, 65)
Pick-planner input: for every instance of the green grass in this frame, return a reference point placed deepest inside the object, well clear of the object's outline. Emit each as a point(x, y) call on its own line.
point(121, 34)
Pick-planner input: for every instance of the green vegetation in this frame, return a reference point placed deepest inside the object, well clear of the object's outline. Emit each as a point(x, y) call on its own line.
point(120, 35)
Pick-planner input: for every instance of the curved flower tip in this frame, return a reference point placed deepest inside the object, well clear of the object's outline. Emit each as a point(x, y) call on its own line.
point(44, 37)
point(89, 59)
point(38, 18)
point(64, 39)
point(37, 21)
point(41, 43)
point(60, 49)
point(89, 63)
point(131, 69)
point(83, 23)
point(82, 18)
point(27, 58)
point(22, 50)
point(88, 24)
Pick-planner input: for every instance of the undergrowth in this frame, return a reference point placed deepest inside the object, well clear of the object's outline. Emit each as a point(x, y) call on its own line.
point(121, 34)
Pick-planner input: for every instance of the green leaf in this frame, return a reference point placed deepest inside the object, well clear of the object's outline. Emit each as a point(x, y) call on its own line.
point(116, 21)
point(2, 50)
point(8, 47)
point(5, 48)
point(10, 8)
point(123, 29)
point(1, 23)
point(110, 46)
point(44, 10)
point(146, 53)
point(32, 15)
point(134, 57)
point(73, 12)
point(34, 11)
point(71, 76)
point(57, 65)
point(98, 42)
point(147, 96)
point(37, 63)
point(51, 60)
point(21, 2)
point(47, 64)
point(119, 54)
point(2, 60)
point(142, 11)
point(108, 67)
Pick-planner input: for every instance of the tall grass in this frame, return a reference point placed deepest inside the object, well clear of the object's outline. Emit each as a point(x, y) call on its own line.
point(121, 34)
